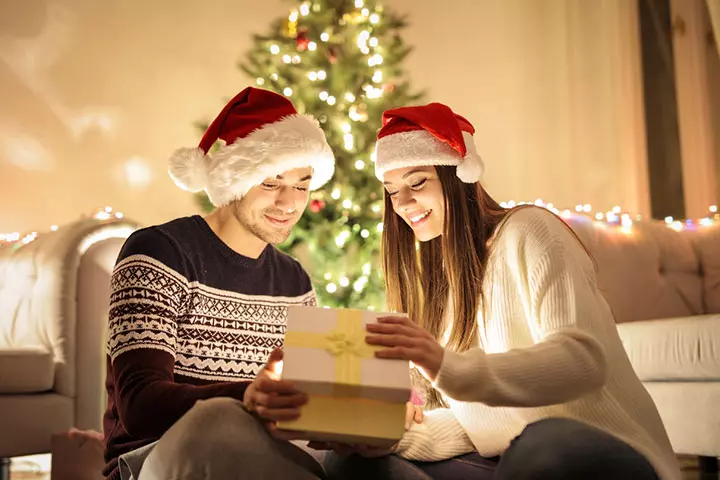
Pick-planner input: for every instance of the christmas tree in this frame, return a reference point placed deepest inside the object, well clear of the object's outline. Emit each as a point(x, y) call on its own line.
point(340, 61)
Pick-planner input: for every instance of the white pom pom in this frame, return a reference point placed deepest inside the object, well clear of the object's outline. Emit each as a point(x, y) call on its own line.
point(471, 168)
point(188, 169)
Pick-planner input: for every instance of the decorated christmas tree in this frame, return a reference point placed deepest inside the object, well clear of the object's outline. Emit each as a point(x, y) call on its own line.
point(341, 61)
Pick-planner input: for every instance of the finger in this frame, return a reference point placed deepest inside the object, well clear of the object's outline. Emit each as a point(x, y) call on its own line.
point(419, 415)
point(390, 328)
point(269, 385)
point(277, 414)
point(409, 414)
point(392, 340)
point(396, 319)
point(402, 353)
point(280, 401)
point(275, 356)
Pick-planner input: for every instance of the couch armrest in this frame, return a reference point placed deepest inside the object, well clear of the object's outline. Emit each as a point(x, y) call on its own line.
point(93, 294)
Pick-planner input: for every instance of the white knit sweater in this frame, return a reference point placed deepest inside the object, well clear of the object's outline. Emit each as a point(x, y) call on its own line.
point(549, 348)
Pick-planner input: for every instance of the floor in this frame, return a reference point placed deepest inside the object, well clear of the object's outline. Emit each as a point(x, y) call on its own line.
point(38, 468)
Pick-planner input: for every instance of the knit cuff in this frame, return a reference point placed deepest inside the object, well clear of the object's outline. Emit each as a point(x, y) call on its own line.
point(460, 376)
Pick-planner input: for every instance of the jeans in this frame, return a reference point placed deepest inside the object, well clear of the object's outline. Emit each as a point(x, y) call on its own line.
point(218, 440)
point(554, 448)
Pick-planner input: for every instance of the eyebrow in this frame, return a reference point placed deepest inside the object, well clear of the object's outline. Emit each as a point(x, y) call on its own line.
point(303, 179)
point(417, 170)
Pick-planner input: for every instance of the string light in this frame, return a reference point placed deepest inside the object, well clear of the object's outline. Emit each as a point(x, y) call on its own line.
point(324, 36)
point(304, 9)
point(335, 193)
point(374, 18)
point(274, 49)
point(287, 91)
point(349, 97)
point(104, 214)
point(616, 216)
point(365, 12)
point(312, 46)
point(260, 81)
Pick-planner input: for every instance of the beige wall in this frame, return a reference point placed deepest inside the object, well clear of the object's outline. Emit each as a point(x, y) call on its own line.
point(91, 90)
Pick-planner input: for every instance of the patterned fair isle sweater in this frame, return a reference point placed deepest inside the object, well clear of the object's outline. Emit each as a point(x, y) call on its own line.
point(190, 319)
point(549, 348)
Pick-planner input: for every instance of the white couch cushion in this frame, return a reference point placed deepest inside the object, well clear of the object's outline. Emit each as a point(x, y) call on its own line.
point(674, 349)
point(26, 370)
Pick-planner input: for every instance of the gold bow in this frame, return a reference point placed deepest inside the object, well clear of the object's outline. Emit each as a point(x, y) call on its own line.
point(346, 342)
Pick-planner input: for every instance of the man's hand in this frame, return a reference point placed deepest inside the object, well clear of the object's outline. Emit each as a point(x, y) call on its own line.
point(271, 399)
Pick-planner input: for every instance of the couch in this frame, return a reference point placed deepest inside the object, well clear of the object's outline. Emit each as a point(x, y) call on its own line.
point(54, 293)
point(663, 286)
point(662, 282)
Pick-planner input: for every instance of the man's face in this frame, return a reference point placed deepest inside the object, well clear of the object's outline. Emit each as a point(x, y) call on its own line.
point(270, 209)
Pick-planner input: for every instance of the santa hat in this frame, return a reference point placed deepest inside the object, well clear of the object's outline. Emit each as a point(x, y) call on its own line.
point(427, 135)
point(264, 137)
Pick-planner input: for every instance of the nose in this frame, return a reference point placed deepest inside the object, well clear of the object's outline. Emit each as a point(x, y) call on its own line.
point(405, 199)
point(284, 200)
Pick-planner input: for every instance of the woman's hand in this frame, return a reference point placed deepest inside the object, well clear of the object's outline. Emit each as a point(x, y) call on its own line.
point(406, 340)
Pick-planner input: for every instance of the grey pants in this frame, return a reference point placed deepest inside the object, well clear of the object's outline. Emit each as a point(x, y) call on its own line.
point(218, 440)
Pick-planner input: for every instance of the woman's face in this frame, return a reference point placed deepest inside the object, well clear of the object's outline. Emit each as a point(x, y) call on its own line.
point(417, 196)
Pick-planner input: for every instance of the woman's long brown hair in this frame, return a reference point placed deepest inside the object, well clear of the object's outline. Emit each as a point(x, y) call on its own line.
point(418, 280)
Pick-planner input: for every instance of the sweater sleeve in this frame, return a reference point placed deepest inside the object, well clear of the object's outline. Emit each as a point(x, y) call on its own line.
point(566, 361)
point(148, 294)
point(439, 437)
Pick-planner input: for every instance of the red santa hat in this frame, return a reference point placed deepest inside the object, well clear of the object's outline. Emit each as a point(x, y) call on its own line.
point(264, 137)
point(427, 135)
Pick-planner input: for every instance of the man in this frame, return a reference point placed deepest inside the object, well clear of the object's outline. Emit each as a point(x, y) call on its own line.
point(198, 305)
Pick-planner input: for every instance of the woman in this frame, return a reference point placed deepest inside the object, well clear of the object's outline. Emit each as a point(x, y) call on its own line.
point(528, 375)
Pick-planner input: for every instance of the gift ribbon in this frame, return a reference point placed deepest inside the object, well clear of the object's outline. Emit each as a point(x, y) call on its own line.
point(346, 342)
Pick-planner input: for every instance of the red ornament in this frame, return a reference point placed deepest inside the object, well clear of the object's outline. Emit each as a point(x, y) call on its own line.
point(302, 40)
point(332, 55)
point(316, 205)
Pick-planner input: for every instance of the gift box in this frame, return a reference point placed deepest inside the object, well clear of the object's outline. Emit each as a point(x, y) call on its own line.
point(354, 397)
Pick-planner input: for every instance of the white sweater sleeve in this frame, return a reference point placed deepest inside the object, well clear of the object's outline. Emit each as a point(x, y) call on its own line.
point(439, 437)
point(566, 361)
